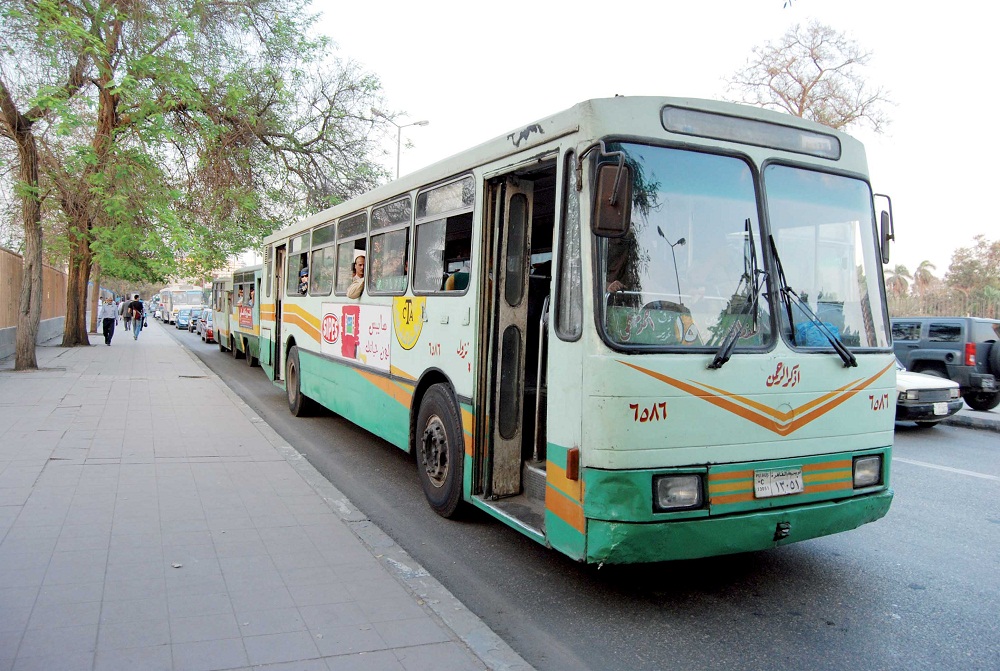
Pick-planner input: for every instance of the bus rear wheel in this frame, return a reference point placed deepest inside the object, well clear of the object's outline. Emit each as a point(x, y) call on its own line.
point(237, 354)
point(440, 454)
point(299, 404)
point(251, 359)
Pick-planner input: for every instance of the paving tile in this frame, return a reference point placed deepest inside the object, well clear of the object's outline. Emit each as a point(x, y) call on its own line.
point(152, 608)
point(436, 656)
point(58, 640)
point(209, 655)
point(194, 605)
point(74, 661)
point(417, 631)
point(275, 621)
point(384, 660)
point(343, 640)
point(204, 628)
point(287, 647)
point(65, 615)
point(155, 658)
point(133, 634)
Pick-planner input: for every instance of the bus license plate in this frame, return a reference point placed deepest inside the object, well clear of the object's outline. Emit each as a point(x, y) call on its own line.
point(941, 408)
point(779, 482)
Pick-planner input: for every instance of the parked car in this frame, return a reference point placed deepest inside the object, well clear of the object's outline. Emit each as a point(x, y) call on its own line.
point(207, 327)
point(925, 399)
point(962, 349)
point(183, 318)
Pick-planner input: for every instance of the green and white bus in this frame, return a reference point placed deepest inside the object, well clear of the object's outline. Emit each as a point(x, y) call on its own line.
point(236, 313)
point(640, 329)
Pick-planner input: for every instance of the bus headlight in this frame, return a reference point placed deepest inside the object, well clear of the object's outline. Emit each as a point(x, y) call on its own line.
point(677, 492)
point(867, 470)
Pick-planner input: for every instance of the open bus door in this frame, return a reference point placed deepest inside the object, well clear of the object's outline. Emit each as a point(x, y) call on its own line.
point(512, 252)
point(279, 292)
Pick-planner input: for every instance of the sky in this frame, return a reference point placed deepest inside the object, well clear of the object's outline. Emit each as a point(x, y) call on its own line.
point(476, 71)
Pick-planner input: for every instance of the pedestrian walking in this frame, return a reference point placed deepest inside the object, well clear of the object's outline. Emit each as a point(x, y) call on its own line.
point(108, 316)
point(135, 310)
point(123, 312)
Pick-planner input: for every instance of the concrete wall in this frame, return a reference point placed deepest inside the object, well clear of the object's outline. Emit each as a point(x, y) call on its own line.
point(47, 330)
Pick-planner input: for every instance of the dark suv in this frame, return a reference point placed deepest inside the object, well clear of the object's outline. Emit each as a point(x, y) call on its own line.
point(963, 349)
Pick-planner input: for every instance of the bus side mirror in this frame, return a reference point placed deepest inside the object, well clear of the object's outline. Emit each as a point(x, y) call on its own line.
point(613, 209)
point(888, 233)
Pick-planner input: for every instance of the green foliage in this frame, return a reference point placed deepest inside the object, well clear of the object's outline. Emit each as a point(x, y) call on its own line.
point(975, 271)
point(194, 129)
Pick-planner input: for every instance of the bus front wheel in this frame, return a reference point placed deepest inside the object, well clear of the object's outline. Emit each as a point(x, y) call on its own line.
point(299, 404)
point(237, 354)
point(439, 446)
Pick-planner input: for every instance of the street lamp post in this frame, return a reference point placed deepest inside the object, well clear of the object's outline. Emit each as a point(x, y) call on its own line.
point(399, 133)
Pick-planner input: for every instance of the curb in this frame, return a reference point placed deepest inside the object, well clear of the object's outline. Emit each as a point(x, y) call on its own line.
point(482, 641)
point(969, 422)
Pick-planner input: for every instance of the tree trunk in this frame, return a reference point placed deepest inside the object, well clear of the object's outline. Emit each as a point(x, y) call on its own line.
point(95, 299)
point(80, 257)
point(29, 312)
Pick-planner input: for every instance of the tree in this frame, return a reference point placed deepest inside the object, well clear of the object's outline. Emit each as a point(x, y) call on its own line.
point(23, 104)
point(898, 280)
point(813, 72)
point(202, 126)
point(975, 271)
point(923, 277)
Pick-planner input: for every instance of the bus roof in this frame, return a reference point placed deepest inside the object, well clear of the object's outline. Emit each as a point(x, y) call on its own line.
point(637, 116)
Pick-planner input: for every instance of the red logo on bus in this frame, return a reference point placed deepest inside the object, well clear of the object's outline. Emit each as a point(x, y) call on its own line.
point(331, 328)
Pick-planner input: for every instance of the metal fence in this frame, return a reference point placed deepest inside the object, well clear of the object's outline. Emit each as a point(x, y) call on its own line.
point(943, 306)
point(53, 288)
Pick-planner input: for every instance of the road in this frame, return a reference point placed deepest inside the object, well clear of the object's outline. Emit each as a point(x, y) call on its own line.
point(919, 589)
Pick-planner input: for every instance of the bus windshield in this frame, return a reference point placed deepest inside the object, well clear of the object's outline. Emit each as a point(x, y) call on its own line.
point(187, 298)
point(823, 231)
point(688, 267)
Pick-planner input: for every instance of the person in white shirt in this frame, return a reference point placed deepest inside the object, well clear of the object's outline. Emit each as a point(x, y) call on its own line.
point(108, 316)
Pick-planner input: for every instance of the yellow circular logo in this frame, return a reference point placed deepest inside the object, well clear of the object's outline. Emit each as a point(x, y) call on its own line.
point(408, 319)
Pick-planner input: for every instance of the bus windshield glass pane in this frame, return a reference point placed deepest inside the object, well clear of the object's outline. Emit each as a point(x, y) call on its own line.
point(824, 230)
point(679, 278)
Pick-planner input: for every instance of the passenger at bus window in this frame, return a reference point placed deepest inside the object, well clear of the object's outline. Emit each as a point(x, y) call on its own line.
point(619, 264)
point(304, 281)
point(250, 302)
point(239, 297)
point(358, 278)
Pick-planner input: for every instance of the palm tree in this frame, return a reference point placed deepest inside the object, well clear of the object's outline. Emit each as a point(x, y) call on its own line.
point(922, 276)
point(898, 280)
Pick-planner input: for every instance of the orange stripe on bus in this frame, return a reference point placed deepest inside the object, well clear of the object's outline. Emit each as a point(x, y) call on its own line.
point(399, 392)
point(826, 477)
point(730, 475)
point(556, 476)
point(781, 423)
point(731, 498)
point(565, 509)
point(310, 330)
point(737, 486)
point(827, 465)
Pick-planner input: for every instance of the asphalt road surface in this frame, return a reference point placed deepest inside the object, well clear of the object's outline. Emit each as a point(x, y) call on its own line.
point(919, 589)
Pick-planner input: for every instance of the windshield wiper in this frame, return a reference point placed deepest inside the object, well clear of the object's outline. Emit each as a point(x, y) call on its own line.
point(754, 279)
point(788, 294)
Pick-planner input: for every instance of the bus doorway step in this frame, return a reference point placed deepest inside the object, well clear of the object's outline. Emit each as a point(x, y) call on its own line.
point(526, 511)
point(533, 479)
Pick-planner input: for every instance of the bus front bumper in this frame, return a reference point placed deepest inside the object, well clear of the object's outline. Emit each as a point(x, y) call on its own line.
point(614, 542)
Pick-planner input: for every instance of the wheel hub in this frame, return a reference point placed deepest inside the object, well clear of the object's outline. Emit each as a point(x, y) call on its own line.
point(434, 451)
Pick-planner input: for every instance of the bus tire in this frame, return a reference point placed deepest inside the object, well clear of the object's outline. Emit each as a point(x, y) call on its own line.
point(440, 452)
point(299, 404)
point(222, 346)
point(252, 361)
point(237, 354)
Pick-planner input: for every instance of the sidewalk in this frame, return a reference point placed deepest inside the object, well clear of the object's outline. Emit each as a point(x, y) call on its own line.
point(209, 543)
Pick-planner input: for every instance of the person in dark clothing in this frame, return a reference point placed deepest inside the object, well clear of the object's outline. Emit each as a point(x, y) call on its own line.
point(135, 309)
